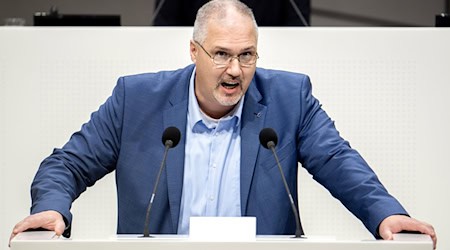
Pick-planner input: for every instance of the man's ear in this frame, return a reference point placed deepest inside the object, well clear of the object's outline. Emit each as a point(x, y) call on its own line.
point(193, 51)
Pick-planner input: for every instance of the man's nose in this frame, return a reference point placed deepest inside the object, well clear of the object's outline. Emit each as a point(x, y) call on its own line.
point(234, 67)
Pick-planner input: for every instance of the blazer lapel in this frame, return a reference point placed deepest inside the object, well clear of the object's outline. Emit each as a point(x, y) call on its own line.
point(253, 116)
point(176, 116)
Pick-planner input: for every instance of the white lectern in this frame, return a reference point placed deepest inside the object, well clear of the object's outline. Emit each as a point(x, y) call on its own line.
point(40, 241)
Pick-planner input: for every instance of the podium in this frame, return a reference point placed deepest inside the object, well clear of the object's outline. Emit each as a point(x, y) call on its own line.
point(39, 241)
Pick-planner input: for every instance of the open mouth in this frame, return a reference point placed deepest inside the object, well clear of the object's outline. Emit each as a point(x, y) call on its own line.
point(229, 85)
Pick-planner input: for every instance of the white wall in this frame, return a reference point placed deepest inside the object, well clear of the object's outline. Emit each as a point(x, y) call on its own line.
point(387, 89)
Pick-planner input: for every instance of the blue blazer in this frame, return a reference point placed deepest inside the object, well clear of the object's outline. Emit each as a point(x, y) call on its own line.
point(125, 135)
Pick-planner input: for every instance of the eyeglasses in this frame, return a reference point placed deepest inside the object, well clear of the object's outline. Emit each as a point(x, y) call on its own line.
point(222, 59)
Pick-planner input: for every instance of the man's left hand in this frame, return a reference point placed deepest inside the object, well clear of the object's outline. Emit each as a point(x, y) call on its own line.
point(398, 223)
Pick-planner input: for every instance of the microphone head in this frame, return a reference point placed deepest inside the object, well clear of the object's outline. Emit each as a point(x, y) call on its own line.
point(171, 136)
point(268, 137)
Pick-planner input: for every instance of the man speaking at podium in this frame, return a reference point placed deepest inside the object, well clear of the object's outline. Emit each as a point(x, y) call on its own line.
point(220, 104)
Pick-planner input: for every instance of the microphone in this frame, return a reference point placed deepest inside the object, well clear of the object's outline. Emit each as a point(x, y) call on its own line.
point(170, 138)
point(269, 139)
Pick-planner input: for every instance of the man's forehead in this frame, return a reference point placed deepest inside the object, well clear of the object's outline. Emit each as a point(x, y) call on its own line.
point(232, 32)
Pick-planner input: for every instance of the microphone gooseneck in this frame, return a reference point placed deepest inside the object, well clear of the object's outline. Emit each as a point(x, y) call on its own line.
point(170, 138)
point(269, 139)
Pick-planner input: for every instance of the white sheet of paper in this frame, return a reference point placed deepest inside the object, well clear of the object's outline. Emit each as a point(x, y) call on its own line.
point(222, 229)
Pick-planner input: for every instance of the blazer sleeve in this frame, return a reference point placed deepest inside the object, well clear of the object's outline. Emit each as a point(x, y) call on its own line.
point(90, 154)
point(339, 168)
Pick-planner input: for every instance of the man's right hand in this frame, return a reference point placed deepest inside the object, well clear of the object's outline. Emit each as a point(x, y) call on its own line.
point(50, 220)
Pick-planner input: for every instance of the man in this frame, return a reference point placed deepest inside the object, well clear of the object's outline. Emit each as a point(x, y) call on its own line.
point(220, 104)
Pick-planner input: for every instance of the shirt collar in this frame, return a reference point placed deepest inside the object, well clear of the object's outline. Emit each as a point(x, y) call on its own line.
point(198, 118)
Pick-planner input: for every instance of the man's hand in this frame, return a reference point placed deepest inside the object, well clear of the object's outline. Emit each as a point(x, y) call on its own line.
point(397, 223)
point(50, 220)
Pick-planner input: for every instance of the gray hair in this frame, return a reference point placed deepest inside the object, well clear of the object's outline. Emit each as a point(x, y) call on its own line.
point(217, 9)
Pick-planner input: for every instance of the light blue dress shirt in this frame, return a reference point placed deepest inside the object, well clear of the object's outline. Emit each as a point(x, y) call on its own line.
point(211, 182)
